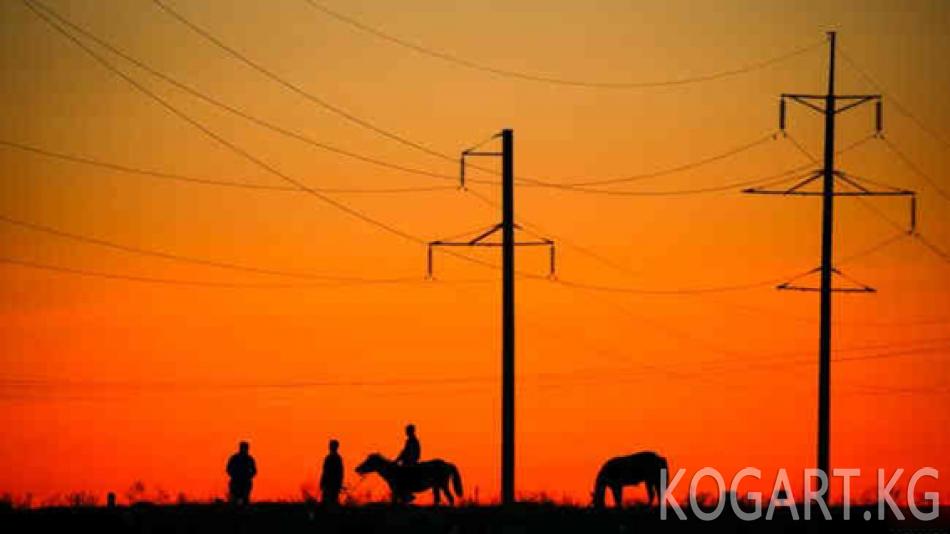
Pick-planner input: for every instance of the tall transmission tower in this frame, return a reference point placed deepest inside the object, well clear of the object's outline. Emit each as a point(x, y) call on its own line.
point(507, 228)
point(828, 106)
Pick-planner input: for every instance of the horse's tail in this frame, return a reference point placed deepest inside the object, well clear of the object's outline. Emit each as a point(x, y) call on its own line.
point(600, 488)
point(456, 479)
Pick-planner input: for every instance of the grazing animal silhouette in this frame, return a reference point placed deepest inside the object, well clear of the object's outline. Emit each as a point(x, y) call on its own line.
point(646, 467)
point(403, 481)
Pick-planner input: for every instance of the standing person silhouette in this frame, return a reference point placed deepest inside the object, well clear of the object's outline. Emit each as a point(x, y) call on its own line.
point(241, 469)
point(331, 478)
point(411, 450)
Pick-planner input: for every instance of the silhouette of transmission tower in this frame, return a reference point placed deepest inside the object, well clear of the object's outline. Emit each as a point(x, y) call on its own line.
point(508, 243)
point(852, 186)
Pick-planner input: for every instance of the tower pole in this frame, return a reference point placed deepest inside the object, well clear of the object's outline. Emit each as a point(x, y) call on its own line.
point(508, 321)
point(827, 264)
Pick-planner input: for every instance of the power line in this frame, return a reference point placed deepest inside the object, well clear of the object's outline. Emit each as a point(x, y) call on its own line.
point(234, 110)
point(237, 149)
point(900, 235)
point(218, 138)
point(566, 377)
point(208, 181)
point(897, 103)
point(892, 354)
point(914, 167)
point(583, 186)
point(801, 149)
point(625, 270)
point(763, 363)
point(670, 291)
point(376, 161)
point(732, 186)
point(722, 289)
point(569, 378)
point(445, 56)
point(296, 88)
point(187, 259)
point(757, 311)
point(897, 237)
point(933, 248)
point(671, 170)
point(782, 359)
point(587, 252)
point(768, 180)
point(884, 390)
point(366, 124)
point(341, 206)
point(915, 234)
point(880, 245)
point(765, 366)
point(289, 384)
point(198, 283)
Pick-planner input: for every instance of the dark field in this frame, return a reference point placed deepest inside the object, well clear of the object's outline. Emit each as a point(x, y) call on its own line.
point(298, 517)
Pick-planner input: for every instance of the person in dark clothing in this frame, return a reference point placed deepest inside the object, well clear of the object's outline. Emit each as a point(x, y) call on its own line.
point(411, 451)
point(331, 478)
point(409, 456)
point(242, 470)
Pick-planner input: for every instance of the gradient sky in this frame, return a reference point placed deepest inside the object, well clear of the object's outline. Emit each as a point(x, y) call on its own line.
point(104, 382)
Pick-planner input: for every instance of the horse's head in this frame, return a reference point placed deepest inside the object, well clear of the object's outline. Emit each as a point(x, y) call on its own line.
point(373, 463)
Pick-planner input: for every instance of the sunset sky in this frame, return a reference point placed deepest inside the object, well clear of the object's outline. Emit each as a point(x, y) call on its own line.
point(156, 376)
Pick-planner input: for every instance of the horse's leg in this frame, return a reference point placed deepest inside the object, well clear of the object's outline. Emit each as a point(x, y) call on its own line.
point(436, 500)
point(617, 491)
point(651, 491)
point(448, 493)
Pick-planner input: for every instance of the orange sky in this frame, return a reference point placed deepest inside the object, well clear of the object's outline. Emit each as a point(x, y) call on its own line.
point(104, 382)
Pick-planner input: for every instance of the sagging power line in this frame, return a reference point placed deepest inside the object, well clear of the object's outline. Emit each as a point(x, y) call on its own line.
point(185, 178)
point(572, 184)
point(205, 34)
point(38, 265)
point(522, 181)
point(267, 167)
point(243, 114)
point(233, 147)
point(898, 105)
point(555, 80)
point(190, 259)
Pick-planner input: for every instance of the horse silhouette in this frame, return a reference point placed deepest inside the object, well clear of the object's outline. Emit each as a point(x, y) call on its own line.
point(646, 467)
point(403, 481)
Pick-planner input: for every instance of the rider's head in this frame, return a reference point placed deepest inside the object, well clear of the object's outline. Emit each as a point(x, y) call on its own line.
point(243, 447)
point(334, 445)
point(410, 429)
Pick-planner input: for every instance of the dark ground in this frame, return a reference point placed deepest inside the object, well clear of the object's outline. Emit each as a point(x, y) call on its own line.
point(522, 518)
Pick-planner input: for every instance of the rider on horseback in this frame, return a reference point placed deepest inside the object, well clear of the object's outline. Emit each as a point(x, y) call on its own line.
point(409, 456)
point(411, 451)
